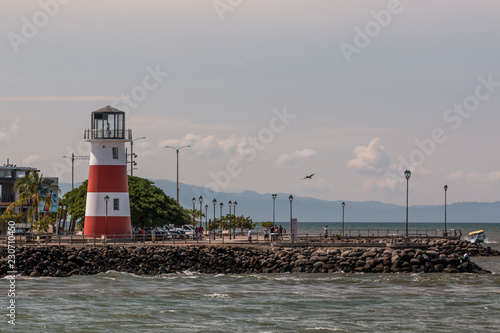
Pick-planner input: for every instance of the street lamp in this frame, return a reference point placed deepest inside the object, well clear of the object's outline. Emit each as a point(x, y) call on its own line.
point(214, 202)
point(177, 151)
point(291, 228)
point(407, 175)
point(74, 157)
point(206, 219)
point(132, 154)
point(106, 199)
point(194, 201)
point(220, 224)
point(201, 209)
point(274, 205)
point(445, 230)
point(343, 205)
point(234, 213)
point(230, 204)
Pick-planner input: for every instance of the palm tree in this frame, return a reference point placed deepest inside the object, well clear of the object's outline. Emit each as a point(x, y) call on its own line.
point(34, 189)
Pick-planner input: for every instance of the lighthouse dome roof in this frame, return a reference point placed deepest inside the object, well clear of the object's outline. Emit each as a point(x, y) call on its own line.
point(108, 109)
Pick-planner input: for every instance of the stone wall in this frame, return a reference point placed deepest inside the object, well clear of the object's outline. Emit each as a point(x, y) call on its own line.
point(54, 261)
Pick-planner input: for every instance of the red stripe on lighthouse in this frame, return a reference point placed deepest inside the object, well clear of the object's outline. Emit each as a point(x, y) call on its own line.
point(108, 178)
point(118, 226)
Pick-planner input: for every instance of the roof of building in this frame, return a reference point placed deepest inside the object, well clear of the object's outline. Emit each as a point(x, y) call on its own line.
point(13, 167)
point(108, 109)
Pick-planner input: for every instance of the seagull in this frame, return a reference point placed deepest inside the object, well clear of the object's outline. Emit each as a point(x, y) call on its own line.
point(308, 177)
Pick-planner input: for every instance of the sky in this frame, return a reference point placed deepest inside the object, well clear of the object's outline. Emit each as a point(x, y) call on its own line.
point(264, 92)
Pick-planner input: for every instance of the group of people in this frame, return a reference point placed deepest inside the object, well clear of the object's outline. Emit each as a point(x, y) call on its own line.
point(275, 232)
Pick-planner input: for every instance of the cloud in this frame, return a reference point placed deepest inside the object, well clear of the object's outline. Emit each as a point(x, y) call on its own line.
point(416, 170)
point(292, 159)
point(490, 177)
point(456, 175)
point(371, 159)
point(380, 184)
point(206, 147)
point(6, 132)
point(31, 160)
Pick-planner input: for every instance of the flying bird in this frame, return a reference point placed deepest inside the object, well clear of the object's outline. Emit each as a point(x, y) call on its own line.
point(308, 177)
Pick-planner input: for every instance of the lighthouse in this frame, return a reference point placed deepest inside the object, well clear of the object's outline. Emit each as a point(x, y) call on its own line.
point(108, 209)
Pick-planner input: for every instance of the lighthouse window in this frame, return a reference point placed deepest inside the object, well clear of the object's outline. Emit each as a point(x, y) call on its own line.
point(115, 153)
point(116, 204)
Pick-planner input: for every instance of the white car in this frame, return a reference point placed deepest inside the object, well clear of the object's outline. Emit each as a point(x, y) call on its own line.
point(188, 229)
point(176, 233)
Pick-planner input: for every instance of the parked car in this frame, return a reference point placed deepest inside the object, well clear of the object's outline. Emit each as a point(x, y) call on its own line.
point(164, 232)
point(188, 230)
point(176, 233)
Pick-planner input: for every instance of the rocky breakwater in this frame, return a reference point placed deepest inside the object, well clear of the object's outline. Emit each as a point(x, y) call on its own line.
point(440, 256)
point(56, 261)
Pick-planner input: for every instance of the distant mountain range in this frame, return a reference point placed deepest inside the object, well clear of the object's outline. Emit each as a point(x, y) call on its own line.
point(260, 207)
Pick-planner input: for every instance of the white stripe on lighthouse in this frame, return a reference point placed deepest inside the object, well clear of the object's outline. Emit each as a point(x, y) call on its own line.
point(96, 206)
point(101, 153)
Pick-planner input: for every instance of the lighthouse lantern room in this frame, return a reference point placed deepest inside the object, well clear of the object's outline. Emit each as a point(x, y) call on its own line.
point(108, 209)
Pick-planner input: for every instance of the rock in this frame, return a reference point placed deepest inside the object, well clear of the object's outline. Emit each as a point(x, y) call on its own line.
point(63, 261)
point(439, 268)
point(414, 261)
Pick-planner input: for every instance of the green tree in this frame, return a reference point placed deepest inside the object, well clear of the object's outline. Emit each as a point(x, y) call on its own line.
point(40, 226)
point(76, 201)
point(243, 222)
point(151, 207)
point(11, 216)
point(266, 224)
point(189, 213)
point(33, 190)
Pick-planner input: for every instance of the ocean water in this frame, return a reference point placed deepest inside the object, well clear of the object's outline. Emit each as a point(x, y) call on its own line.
point(190, 302)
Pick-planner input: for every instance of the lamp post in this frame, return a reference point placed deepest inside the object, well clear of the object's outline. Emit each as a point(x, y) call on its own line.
point(230, 204)
point(343, 205)
point(290, 198)
point(106, 199)
point(72, 169)
point(274, 205)
point(220, 224)
point(445, 229)
point(201, 209)
point(74, 157)
point(235, 203)
point(206, 219)
point(407, 175)
point(132, 154)
point(214, 202)
point(177, 151)
point(194, 201)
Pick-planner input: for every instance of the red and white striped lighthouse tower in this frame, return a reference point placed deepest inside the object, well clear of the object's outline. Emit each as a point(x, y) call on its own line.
point(108, 208)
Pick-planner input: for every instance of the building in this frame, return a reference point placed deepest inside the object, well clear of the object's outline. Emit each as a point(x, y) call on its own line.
point(108, 208)
point(9, 173)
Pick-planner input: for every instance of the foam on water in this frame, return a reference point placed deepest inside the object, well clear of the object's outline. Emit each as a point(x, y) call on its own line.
point(192, 302)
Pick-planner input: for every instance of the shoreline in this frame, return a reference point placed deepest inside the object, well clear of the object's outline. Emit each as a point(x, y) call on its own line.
point(64, 261)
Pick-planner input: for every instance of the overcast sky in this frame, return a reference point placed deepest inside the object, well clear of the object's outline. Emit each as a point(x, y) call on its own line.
point(265, 92)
